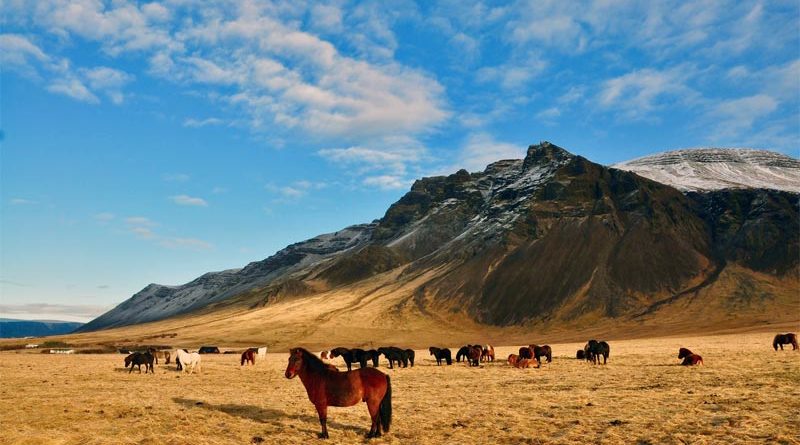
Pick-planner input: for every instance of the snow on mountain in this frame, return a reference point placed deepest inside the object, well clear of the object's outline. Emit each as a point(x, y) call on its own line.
point(704, 169)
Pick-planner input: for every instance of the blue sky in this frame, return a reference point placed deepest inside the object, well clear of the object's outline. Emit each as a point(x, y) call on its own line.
point(154, 141)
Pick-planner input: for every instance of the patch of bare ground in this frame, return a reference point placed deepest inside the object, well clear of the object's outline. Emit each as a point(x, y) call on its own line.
point(746, 393)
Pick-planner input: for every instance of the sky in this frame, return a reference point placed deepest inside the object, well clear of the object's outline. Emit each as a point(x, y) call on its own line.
point(147, 142)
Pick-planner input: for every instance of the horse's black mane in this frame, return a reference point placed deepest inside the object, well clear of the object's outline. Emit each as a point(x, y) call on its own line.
point(312, 361)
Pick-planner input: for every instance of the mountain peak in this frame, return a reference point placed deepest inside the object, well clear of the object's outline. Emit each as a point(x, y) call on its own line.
point(545, 153)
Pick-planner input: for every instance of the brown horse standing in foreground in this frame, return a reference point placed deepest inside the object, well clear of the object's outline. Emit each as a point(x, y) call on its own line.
point(326, 387)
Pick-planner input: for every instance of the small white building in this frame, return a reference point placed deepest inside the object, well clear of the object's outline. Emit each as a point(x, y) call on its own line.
point(31, 346)
point(62, 351)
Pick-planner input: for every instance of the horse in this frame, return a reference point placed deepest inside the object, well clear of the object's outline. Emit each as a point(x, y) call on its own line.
point(324, 355)
point(789, 338)
point(513, 359)
point(689, 358)
point(346, 354)
point(525, 352)
point(394, 354)
point(138, 359)
point(326, 387)
point(487, 355)
point(463, 352)
point(188, 360)
point(249, 356)
point(542, 351)
point(178, 362)
point(580, 355)
point(441, 354)
point(375, 356)
point(594, 349)
point(524, 363)
point(410, 354)
point(162, 354)
point(474, 357)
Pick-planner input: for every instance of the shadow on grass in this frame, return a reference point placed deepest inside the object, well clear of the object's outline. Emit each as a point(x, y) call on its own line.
point(264, 415)
point(128, 370)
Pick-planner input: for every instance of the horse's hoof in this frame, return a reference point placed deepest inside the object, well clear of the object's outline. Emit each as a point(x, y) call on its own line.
point(322, 435)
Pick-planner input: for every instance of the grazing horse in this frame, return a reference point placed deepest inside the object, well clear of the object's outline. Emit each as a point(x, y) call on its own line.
point(138, 359)
point(374, 356)
point(394, 354)
point(525, 352)
point(410, 354)
point(463, 352)
point(249, 356)
point(689, 358)
point(487, 355)
point(326, 387)
point(189, 360)
point(441, 354)
point(474, 357)
point(542, 351)
point(513, 359)
point(789, 338)
point(580, 355)
point(594, 349)
point(159, 354)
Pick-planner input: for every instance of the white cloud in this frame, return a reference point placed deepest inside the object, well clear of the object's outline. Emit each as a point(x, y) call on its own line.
point(187, 243)
point(186, 200)
point(48, 311)
point(109, 80)
point(638, 93)
point(549, 113)
point(140, 221)
point(22, 201)
point(73, 88)
point(387, 182)
point(730, 119)
point(197, 123)
point(481, 149)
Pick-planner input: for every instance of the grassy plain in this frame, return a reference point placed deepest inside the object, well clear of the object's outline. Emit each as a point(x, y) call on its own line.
point(745, 393)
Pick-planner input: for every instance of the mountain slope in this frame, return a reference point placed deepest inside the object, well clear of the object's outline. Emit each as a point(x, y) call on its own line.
point(552, 239)
point(11, 328)
point(713, 169)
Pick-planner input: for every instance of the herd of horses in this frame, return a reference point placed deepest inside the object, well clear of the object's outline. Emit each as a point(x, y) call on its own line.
point(327, 386)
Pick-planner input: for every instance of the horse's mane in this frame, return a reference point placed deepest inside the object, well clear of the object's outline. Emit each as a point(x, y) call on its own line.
point(312, 361)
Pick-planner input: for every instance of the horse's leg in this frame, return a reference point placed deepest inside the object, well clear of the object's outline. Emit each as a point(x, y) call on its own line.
point(374, 406)
point(322, 411)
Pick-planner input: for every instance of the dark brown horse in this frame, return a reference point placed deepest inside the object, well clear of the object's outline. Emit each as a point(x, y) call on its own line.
point(441, 354)
point(159, 354)
point(525, 352)
point(463, 352)
point(789, 338)
point(542, 351)
point(580, 355)
point(474, 355)
point(326, 387)
point(689, 358)
point(513, 359)
point(249, 356)
point(139, 359)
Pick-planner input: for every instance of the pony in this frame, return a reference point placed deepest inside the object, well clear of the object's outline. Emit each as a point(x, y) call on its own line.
point(138, 359)
point(326, 387)
point(580, 355)
point(178, 362)
point(525, 352)
point(513, 359)
point(324, 355)
point(523, 363)
point(189, 360)
point(785, 339)
point(375, 356)
point(441, 354)
point(594, 349)
point(410, 354)
point(159, 354)
point(689, 358)
point(350, 356)
point(463, 352)
point(394, 354)
point(474, 357)
point(249, 356)
point(542, 351)
point(487, 355)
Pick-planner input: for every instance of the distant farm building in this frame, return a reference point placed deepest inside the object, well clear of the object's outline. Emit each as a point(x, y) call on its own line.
point(31, 346)
point(62, 351)
point(209, 350)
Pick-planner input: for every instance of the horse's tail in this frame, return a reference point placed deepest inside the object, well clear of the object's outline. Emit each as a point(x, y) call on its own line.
point(243, 355)
point(385, 409)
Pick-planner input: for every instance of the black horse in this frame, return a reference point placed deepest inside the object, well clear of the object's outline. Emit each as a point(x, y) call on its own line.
point(394, 354)
point(375, 356)
point(351, 356)
point(463, 352)
point(410, 354)
point(138, 359)
point(594, 349)
point(581, 354)
point(441, 354)
point(542, 351)
point(526, 352)
point(785, 339)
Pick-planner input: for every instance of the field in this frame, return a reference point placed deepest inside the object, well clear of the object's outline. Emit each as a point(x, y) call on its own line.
point(745, 393)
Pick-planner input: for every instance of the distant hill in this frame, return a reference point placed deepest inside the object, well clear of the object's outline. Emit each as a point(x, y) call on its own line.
point(12, 328)
point(551, 241)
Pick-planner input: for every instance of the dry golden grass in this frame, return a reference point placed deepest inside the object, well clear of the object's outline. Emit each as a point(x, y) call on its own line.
point(745, 393)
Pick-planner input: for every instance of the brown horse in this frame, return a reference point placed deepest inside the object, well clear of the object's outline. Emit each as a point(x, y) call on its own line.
point(326, 387)
point(487, 355)
point(524, 363)
point(159, 354)
point(789, 338)
point(474, 356)
point(513, 359)
point(689, 358)
point(249, 356)
point(525, 352)
point(542, 351)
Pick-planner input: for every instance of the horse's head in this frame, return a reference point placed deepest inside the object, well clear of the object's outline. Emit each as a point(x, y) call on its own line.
point(683, 352)
point(128, 360)
point(295, 362)
point(431, 349)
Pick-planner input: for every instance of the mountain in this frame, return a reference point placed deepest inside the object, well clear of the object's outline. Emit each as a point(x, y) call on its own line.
point(705, 169)
point(12, 328)
point(552, 240)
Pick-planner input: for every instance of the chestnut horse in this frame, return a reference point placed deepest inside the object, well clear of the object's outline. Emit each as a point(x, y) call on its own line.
point(789, 338)
point(474, 355)
point(524, 363)
point(249, 356)
point(542, 351)
point(326, 387)
point(689, 358)
point(513, 359)
point(487, 355)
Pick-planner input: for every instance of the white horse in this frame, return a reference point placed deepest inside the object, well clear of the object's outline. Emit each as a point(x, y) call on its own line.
point(188, 359)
